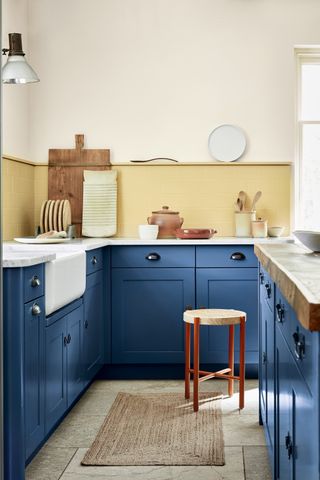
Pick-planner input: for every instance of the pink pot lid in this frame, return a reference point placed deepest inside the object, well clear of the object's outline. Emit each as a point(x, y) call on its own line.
point(165, 210)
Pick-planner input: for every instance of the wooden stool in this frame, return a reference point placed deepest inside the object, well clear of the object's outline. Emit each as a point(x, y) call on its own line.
point(213, 317)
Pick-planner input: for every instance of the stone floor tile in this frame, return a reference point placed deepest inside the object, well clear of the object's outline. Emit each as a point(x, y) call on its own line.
point(233, 470)
point(256, 463)
point(49, 463)
point(96, 402)
point(76, 431)
point(242, 430)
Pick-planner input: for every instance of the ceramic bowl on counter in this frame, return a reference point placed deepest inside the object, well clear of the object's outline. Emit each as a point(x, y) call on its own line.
point(309, 238)
point(275, 231)
point(148, 232)
point(195, 233)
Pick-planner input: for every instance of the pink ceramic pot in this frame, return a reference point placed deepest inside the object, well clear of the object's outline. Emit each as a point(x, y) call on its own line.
point(167, 220)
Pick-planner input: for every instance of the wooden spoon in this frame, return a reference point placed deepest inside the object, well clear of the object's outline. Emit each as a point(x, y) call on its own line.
point(255, 200)
point(242, 196)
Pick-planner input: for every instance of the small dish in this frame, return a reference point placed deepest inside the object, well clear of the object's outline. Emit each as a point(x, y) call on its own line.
point(195, 233)
point(30, 240)
point(275, 231)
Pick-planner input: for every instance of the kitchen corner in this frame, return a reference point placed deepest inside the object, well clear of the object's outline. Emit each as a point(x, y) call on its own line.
point(160, 243)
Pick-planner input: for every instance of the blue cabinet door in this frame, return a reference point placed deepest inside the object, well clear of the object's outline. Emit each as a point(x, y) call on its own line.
point(147, 311)
point(228, 288)
point(305, 420)
point(34, 325)
point(297, 419)
point(74, 356)
point(56, 372)
point(263, 364)
point(284, 383)
point(93, 326)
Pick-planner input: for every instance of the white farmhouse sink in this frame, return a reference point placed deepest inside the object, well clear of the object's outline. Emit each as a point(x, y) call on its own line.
point(65, 279)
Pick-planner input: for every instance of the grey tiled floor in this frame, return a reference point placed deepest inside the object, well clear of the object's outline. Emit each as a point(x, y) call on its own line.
point(246, 456)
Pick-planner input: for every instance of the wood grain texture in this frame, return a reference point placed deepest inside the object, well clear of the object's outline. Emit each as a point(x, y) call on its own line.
point(65, 178)
point(296, 272)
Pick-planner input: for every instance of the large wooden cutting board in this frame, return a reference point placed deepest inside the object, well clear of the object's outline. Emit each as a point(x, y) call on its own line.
point(65, 178)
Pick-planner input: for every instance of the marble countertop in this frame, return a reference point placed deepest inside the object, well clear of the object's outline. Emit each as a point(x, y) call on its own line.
point(25, 259)
point(296, 271)
point(22, 255)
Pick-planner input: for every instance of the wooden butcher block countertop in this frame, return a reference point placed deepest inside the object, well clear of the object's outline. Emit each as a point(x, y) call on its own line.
point(296, 271)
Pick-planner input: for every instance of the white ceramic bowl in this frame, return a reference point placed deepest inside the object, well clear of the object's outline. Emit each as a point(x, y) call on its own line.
point(275, 231)
point(148, 232)
point(309, 239)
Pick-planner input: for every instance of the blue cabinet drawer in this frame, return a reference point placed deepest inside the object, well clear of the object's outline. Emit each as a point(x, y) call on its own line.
point(94, 260)
point(153, 256)
point(267, 289)
point(226, 256)
point(33, 278)
point(302, 343)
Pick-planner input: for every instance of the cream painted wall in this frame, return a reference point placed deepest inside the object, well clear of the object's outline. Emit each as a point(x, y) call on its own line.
point(16, 118)
point(154, 77)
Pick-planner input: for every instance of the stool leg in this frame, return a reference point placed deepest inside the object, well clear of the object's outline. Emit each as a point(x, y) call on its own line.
point(196, 335)
point(242, 361)
point(231, 359)
point(187, 361)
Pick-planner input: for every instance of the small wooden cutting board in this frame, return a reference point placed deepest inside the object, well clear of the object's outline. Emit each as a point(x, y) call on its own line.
point(65, 179)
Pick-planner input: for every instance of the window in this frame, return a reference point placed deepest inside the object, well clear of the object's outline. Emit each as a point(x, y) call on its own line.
point(307, 165)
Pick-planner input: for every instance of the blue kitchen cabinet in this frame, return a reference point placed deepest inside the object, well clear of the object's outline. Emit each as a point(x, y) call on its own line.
point(267, 359)
point(297, 453)
point(34, 317)
point(147, 313)
point(228, 288)
point(63, 367)
point(93, 325)
point(289, 386)
point(23, 334)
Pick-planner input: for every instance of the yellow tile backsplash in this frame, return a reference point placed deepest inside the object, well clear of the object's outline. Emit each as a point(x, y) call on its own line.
point(18, 199)
point(203, 194)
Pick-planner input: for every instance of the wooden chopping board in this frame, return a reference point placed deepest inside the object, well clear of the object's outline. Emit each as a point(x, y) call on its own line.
point(65, 179)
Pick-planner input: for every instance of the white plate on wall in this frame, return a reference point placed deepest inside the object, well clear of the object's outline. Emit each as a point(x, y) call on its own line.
point(41, 240)
point(227, 143)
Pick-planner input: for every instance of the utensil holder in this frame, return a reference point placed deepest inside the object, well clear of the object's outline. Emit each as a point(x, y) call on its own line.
point(243, 223)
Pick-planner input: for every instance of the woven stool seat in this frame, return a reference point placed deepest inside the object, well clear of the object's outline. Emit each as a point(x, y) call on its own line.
point(214, 316)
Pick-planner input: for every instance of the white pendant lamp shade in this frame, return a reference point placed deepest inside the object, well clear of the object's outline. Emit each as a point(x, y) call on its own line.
point(17, 70)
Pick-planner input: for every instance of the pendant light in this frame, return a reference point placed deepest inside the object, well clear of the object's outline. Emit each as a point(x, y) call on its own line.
point(17, 70)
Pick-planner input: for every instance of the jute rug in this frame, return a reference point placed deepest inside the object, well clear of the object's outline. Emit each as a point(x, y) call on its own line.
point(159, 429)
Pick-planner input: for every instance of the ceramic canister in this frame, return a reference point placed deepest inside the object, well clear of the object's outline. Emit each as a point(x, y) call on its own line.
point(259, 228)
point(243, 223)
point(167, 220)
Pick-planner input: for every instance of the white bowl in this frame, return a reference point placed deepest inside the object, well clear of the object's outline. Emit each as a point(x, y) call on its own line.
point(275, 231)
point(148, 232)
point(309, 239)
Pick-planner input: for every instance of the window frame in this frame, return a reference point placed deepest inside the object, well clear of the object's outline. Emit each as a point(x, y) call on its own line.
point(303, 56)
